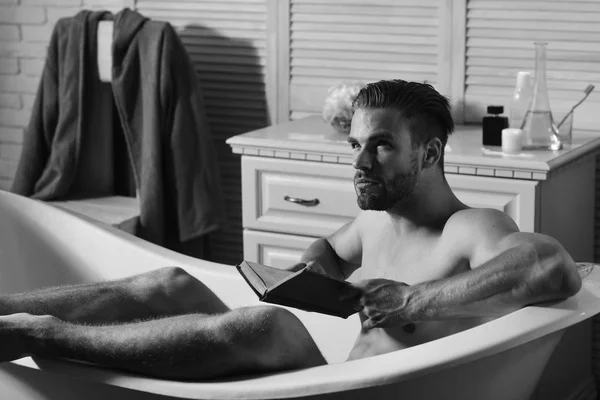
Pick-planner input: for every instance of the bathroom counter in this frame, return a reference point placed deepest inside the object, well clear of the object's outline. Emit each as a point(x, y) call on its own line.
point(312, 139)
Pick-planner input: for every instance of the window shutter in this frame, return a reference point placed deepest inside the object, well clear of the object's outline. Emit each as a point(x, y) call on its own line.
point(338, 41)
point(109, 5)
point(226, 41)
point(499, 41)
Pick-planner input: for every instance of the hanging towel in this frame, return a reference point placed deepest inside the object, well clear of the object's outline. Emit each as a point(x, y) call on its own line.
point(161, 109)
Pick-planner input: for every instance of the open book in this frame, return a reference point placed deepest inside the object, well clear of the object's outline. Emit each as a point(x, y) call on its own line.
point(304, 289)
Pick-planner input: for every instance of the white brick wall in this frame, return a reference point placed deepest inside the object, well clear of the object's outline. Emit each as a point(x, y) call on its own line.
point(25, 30)
point(9, 32)
point(10, 100)
point(22, 15)
point(8, 66)
point(27, 101)
point(11, 135)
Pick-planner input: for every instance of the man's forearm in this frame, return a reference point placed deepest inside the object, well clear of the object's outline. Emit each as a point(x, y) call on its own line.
point(508, 282)
point(322, 252)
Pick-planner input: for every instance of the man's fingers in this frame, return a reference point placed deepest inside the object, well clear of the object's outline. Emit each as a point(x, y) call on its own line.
point(296, 267)
point(315, 267)
point(372, 322)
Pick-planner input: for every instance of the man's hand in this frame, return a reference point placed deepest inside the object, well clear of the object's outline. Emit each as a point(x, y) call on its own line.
point(384, 303)
point(313, 266)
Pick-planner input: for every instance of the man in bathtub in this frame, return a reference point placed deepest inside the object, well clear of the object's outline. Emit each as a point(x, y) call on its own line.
point(426, 264)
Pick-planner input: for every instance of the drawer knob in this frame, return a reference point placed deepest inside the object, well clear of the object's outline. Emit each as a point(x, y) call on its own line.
point(307, 203)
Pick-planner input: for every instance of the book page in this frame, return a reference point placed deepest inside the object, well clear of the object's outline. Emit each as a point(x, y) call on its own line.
point(270, 276)
point(256, 282)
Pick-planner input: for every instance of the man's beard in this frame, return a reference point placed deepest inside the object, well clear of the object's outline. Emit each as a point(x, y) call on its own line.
point(384, 195)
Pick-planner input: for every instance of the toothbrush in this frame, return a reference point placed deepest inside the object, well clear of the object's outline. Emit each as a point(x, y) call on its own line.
point(588, 90)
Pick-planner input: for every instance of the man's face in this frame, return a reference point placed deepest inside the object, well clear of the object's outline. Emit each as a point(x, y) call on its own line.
point(387, 166)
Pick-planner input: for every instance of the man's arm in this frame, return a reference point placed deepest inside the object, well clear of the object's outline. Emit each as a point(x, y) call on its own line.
point(512, 269)
point(338, 255)
point(534, 269)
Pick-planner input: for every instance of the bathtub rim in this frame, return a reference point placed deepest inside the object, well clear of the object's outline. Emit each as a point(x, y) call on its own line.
point(534, 322)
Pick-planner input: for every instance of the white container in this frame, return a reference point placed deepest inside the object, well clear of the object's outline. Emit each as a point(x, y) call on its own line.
point(519, 103)
point(512, 140)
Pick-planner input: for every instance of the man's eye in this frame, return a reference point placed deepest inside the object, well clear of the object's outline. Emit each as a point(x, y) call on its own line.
point(354, 146)
point(384, 144)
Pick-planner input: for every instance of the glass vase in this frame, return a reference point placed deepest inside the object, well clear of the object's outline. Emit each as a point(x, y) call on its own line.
point(539, 130)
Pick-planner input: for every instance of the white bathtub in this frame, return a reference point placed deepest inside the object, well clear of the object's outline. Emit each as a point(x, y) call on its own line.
point(43, 246)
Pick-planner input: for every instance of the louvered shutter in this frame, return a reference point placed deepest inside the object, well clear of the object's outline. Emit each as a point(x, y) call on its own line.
point(108, 5)
point(226, 41)
point(335, 41)
point(499, 40)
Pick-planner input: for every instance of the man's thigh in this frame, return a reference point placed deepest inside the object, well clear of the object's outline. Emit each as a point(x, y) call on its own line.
point(172, 290)
point(272, 337)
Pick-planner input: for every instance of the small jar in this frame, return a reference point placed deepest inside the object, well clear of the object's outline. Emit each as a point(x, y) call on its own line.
point(512, 140)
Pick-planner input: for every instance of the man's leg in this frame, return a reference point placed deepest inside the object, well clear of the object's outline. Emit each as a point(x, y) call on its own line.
point(163, 292)
point(192, 346)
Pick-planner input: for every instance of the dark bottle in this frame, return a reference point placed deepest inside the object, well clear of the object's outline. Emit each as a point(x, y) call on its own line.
point(493, 125)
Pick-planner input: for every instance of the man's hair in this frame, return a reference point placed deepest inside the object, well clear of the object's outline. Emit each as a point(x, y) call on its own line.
point(426, 111)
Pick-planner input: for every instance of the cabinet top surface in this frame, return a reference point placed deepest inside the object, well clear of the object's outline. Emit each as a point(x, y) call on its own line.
point(312, 136)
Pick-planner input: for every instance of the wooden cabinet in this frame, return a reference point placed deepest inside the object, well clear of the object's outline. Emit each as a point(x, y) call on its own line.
point(297, 186)
point(287, 204)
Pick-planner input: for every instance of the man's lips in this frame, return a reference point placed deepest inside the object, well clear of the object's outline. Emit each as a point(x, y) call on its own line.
point(364, 184)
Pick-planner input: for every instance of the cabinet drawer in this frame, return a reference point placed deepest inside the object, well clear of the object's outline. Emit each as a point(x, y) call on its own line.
point(297, 197)
point(274, 249)
point(515, 197)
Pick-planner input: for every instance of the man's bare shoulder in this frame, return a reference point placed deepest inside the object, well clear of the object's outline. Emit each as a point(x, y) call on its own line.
point(479, 220)
point(477, 231)
point(347, 241)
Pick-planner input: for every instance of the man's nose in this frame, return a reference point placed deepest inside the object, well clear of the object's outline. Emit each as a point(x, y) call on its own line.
point(362, 160)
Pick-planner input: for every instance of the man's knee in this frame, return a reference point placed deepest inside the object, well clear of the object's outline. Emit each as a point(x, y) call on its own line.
point(174, 281)
point(161, 281)
point(273, 337)
point(172, 290)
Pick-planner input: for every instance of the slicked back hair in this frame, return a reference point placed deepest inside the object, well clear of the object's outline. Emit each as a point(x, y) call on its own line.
point(427, 112)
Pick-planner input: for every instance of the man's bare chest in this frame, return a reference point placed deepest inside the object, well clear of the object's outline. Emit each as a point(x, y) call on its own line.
point(410, 260)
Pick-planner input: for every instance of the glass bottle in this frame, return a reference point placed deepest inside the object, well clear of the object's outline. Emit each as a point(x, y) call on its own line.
point(519, 103)
point(539, 130)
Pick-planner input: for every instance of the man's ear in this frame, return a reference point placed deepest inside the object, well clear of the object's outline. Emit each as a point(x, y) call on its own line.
point(433, 152)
